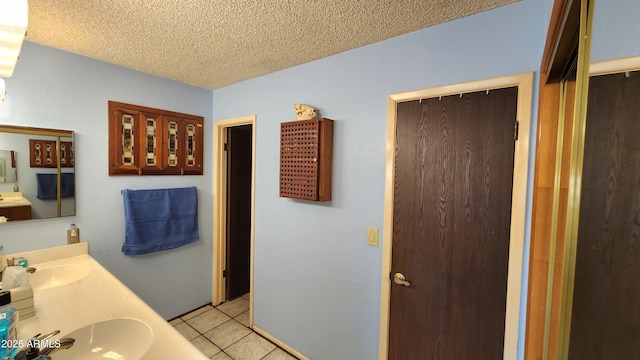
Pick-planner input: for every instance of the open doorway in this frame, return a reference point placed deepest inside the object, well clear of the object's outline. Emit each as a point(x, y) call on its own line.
point(234, 164)
point(238, 240)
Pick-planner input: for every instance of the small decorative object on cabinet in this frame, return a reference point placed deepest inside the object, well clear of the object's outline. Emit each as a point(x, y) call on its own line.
point(304, 112)
point(306, 151)
point(147, 141)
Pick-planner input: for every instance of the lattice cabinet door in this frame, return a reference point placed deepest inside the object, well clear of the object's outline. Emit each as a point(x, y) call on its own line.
point(306, 152)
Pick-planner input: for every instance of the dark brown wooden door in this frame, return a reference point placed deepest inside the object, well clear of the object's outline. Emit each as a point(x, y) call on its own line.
point(238, 210)
point(452, 212)
point(605, 322)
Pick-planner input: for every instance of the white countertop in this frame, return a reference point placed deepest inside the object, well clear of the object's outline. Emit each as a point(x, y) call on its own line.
point(98, 296)
point(13, 199)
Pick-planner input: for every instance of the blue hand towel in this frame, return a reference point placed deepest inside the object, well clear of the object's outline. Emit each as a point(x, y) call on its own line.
point(47, 186)
point(159, 219)
point(68, 185)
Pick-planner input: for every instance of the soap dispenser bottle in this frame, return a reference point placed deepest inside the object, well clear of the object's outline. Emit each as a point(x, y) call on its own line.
point(73, 234)
point(34, 353)
point(8, 327)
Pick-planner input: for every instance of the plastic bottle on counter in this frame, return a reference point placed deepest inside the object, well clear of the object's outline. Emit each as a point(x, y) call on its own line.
point(73, 234)
point(34, 354)
point(8, 327)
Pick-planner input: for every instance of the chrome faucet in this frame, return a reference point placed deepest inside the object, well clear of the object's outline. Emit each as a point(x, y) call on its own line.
point(32, 348)
point(61, 344)
point(9, 263)
point(12, 262)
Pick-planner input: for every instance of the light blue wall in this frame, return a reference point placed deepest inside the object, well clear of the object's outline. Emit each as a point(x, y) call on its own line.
point(616, 30)
point(317, 283)
point(56, 89)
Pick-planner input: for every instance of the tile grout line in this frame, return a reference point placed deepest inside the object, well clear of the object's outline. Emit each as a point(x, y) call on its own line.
point(200, 334)
point(269, 353)
point(228, 346)
point(209, 340)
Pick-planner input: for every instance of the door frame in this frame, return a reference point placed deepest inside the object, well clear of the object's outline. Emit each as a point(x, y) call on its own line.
point(220, 206)
point(614, 66)
point(524, 82)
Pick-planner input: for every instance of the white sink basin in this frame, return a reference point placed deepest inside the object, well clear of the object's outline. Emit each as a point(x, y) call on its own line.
point(12, 199)
point(14, 202)
point(57, 275)
point(121, 339)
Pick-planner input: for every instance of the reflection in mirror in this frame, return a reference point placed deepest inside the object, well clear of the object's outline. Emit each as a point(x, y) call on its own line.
point(43, 184)
point(8, 173)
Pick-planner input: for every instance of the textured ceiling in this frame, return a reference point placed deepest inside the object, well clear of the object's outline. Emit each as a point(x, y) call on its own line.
point(214, 43)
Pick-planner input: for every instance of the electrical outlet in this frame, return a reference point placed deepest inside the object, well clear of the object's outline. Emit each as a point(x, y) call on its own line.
point(372, 236)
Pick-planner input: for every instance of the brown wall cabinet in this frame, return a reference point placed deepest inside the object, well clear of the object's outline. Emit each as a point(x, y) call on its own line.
point(16, 213)
point(42, 153)
point(147, 141)
point(306, 152)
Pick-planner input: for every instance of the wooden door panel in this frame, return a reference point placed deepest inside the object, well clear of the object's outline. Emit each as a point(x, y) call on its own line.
point(452, 206)
point(605, 320)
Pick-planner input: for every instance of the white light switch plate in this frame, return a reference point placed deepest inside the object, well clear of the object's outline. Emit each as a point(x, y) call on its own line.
point(372, 236)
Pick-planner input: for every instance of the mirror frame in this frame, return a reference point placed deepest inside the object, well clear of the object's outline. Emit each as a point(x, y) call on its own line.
point(24, 130)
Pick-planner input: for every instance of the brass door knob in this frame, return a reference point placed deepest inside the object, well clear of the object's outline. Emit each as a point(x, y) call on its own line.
point(399, 279)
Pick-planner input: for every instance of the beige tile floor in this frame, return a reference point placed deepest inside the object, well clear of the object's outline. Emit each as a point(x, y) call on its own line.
point(222, 333)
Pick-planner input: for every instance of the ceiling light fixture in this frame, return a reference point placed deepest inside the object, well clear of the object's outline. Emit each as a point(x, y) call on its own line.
point(13, 27)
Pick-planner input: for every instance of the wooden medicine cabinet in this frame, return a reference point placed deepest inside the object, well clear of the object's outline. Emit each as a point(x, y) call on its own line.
point(147, 141)
point(306, 152)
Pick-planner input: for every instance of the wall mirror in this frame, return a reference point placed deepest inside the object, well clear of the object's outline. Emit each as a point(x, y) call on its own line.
point(583, 286)
point(8, 172)
point(39, 173)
